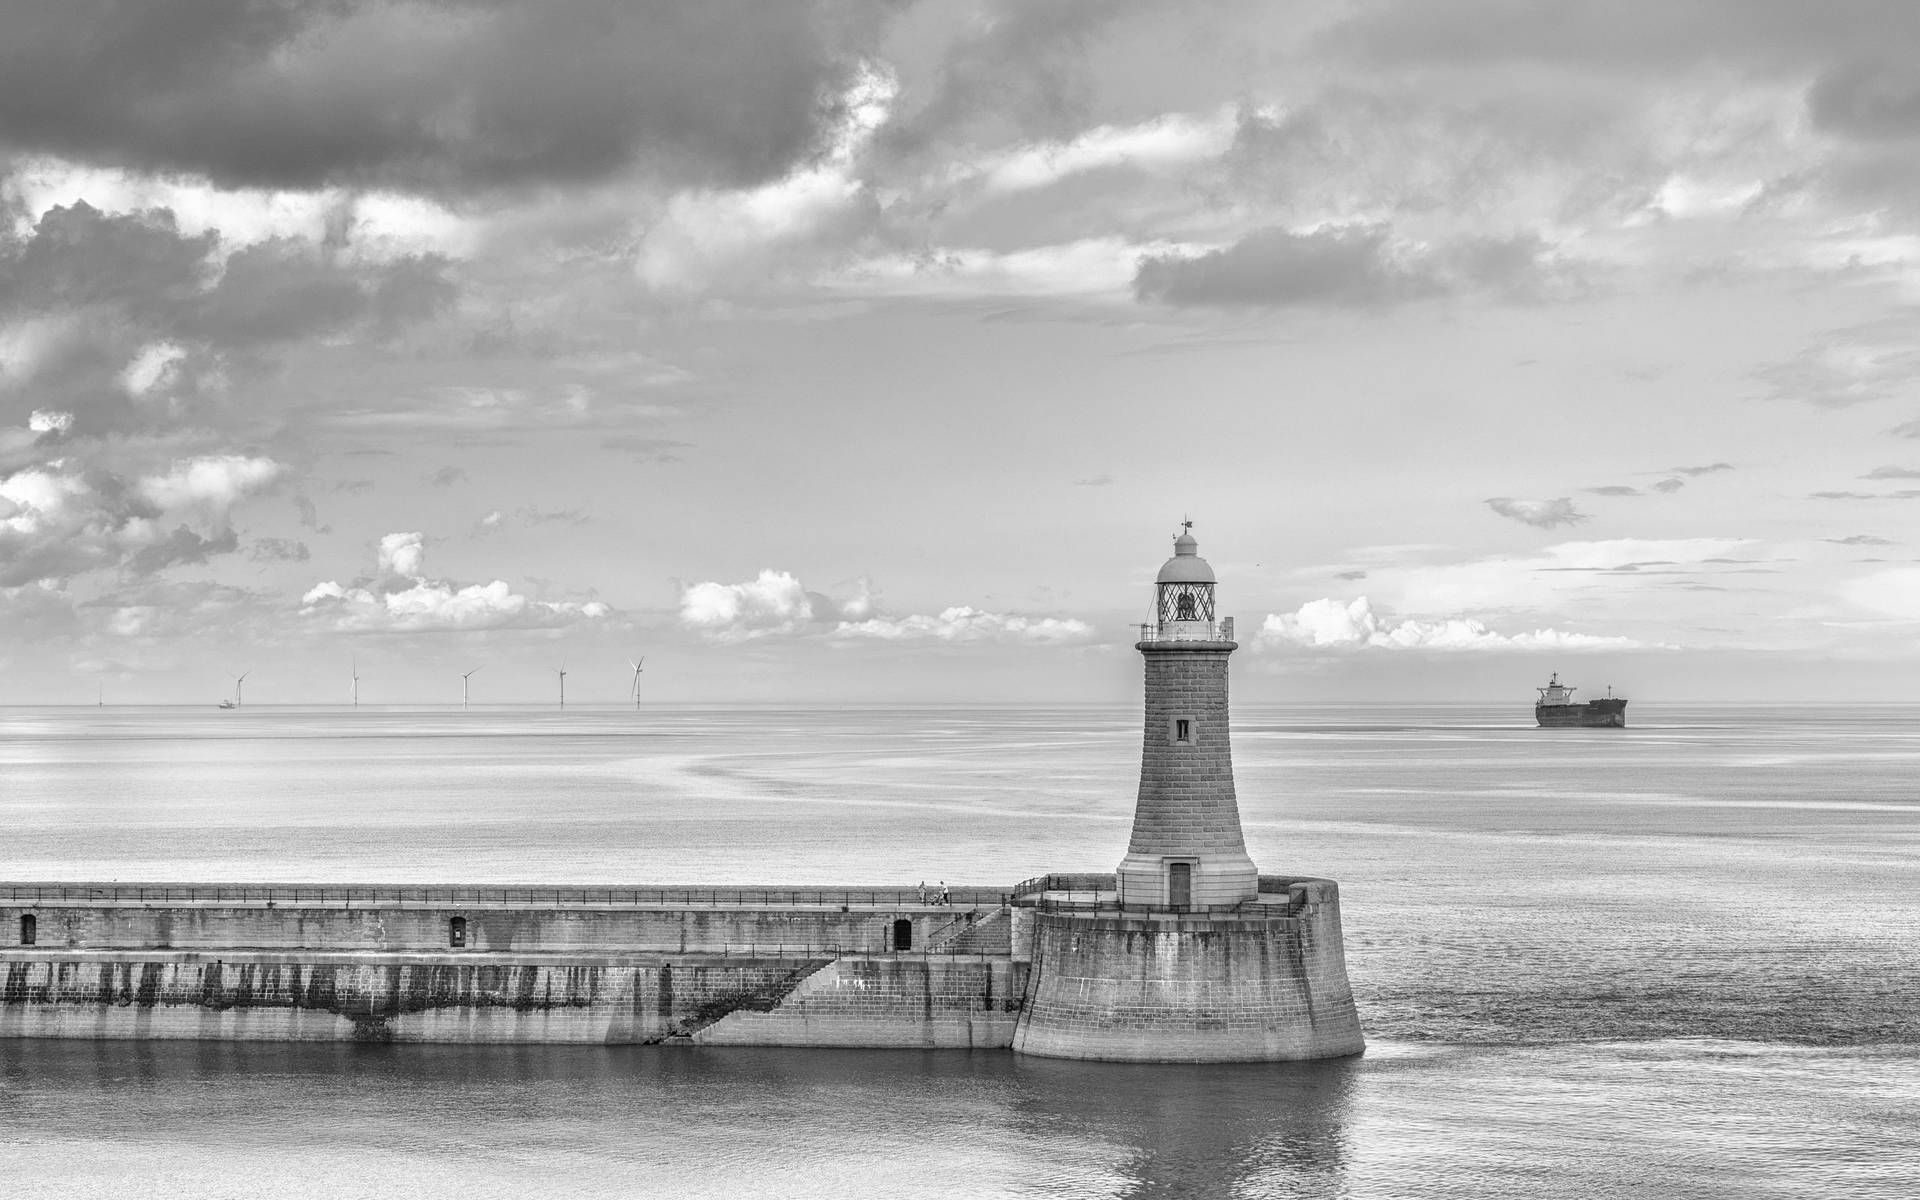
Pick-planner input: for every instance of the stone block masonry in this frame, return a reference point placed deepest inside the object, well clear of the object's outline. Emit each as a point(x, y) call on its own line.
point(740, 966)
point(1190, 987)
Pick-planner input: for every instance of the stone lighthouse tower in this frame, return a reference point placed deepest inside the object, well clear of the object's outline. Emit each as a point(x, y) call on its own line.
point(1187, 848)
point(1186, 953)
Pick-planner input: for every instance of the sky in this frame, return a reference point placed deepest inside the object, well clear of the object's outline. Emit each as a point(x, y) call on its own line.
point(852, 351)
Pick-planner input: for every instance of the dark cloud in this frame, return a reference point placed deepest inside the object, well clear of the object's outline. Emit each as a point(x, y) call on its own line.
point(1348, 265)
point(1351, 575)
point(1614, 489)
point(1669, 486)
point(1634, 36)
point(1892, 473)
point(182, 547)
point(1339, 265)
point(1018, 62)
point(1860, 539)
point(1709, 469)
point(151, 326)
point(1542, 514)
point(430, 96)
point(284, 289)
point(1873, 98)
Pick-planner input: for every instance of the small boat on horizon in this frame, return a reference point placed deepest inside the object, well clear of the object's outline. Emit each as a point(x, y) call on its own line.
point(1557, 709)
point(227, 704)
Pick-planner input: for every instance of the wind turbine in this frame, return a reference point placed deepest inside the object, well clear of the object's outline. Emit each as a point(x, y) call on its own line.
point(239, 699)
point(563, 687)
point(464, 676)
point(356, 682)
point(636, 664)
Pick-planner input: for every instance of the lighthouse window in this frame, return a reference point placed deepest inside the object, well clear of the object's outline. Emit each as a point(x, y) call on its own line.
point(1183, 730)
point(1186, 607)
point(903, 934)
point(29, 930)
point(457, 932)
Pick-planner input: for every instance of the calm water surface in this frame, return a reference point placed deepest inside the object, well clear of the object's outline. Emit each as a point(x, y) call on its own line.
point(1677, 960)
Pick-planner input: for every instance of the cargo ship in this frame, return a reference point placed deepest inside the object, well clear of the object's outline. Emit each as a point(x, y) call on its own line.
point(1557, 709)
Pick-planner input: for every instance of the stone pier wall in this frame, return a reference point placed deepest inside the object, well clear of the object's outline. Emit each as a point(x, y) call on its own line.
point(878, 1001)
point(1190, 987)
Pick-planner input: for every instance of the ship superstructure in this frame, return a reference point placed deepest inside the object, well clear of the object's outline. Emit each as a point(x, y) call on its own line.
point(1557, 709)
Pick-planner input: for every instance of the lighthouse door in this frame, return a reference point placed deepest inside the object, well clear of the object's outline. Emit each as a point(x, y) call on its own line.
point(1180, 884)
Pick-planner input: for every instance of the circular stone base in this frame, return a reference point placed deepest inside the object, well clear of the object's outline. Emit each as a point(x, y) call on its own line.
point(1190, 988)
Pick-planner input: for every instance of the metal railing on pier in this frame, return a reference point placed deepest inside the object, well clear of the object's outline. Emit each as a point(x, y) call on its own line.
point(1100, 893)
point(400, 896)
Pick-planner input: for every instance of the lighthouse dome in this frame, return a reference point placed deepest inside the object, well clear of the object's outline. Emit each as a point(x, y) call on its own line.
point(1186, 565)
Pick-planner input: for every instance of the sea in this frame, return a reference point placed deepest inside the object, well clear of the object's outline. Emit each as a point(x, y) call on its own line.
point(1680, 959)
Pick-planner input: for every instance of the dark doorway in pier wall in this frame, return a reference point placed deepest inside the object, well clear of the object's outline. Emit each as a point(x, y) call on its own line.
point(457, 932)
point(903, 934)
point(29, 930)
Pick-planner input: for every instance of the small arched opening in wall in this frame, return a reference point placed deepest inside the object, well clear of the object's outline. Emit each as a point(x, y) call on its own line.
point(903, 934)
point(29, 929)
point(457, 932)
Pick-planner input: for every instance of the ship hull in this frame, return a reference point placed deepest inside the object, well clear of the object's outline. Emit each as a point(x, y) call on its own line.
point(1594, 714)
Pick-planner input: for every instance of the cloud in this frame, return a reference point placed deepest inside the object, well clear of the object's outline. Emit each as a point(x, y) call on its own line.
point(772, 603)
point(273, 549)
point(964, 624)
point(1542, 514)
point(1859, 539)
point(775, 603)
point(497, 519)
point(1848, 368)
point(1612, 489)
point(1566, 572)
point(1168, 141)
point(403, 554)
point(212, 482)
point(1669, 486)
point(742, 236)
point(1709, 469)
point(1094, 267)
point(404, 600)
point(61, 520)
point(1892, 473)
point(1352, 265)
point(1329, 624)
point(1018, 63)
point(428, 97)
point(1338, 265)
point(446, 477)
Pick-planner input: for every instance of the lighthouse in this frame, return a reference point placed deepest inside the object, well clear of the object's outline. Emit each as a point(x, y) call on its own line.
point(1186, 953)
point(1187, 848)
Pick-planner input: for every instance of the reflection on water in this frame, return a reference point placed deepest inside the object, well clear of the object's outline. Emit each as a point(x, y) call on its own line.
point(1673, 1119)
